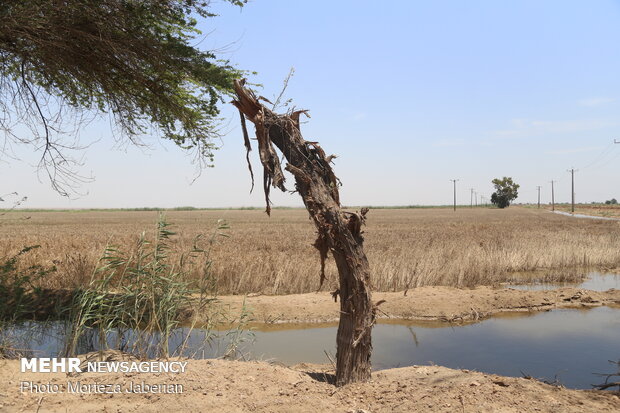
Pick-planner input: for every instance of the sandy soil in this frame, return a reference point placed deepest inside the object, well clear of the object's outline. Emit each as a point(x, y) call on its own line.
point(230, 386)
point(425, 303)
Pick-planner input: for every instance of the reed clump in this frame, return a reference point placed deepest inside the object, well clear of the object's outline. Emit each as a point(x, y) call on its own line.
point(138, 296)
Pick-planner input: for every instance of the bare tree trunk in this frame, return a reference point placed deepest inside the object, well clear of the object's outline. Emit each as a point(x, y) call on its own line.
point(338, 231)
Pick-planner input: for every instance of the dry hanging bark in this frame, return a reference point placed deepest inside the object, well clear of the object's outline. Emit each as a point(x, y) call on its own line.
point(339, 232)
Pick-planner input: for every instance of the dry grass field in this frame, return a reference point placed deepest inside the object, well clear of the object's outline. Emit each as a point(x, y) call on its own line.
point(406, 247)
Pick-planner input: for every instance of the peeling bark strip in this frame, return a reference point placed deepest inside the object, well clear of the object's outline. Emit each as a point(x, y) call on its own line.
point(338, 231)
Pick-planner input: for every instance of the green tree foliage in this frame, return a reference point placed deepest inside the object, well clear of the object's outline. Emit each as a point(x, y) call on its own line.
point(62, 60)
point(612, 201)
point(505, 192)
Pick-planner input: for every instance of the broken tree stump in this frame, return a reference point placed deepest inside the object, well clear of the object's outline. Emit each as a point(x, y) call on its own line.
point(339, 232)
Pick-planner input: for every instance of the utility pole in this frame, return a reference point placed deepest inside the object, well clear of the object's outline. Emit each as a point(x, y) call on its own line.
point(552, 197)
point(471, 198)
point(454, 181)
point(572, 189)
point(538, 187)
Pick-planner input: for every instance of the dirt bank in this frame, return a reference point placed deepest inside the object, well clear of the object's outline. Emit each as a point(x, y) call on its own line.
point(228, 386)
point(425, 303)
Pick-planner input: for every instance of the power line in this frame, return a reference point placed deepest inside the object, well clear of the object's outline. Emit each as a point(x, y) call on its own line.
point(572, 187)
point(552, 196)
point(606, 151)
point(482, 200)
point(454, 181)
point(607, 162)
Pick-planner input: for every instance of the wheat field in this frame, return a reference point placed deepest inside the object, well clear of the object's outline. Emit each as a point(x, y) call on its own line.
point(406, 247)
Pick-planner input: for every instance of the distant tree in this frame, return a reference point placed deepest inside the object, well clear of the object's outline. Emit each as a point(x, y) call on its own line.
point(612, 201)
point(134, 60)
point(505, 192)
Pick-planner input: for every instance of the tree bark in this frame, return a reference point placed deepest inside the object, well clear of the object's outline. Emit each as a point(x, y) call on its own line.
point(339, 232)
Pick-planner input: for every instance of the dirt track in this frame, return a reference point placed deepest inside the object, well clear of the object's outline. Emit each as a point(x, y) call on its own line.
point(425, 303)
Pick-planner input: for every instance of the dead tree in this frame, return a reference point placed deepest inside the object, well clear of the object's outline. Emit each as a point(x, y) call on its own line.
point(339, 232)
point(609, 384)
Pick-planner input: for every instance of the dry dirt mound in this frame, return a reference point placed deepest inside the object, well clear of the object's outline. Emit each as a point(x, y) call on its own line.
point(228, 386)
point(424, 303)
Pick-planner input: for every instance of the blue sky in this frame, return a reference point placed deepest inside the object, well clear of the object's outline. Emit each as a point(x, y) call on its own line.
point(408, 94)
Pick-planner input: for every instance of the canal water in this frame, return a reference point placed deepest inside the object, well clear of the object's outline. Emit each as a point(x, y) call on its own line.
point(567, 345)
